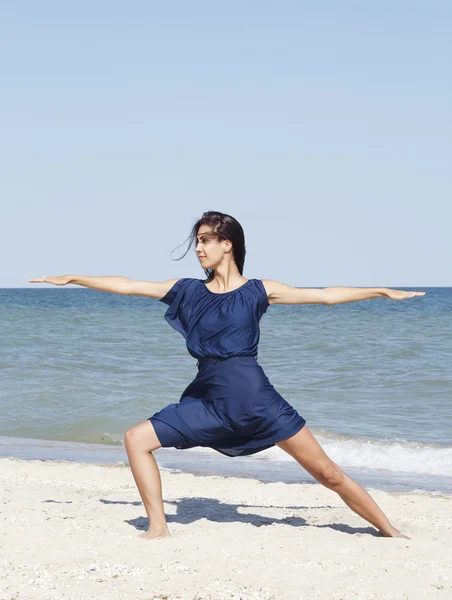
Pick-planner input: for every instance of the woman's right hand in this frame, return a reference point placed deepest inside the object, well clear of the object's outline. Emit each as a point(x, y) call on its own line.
point(57, 280)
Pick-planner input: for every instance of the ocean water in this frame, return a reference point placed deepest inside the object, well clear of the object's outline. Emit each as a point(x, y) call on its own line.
point(373, 379)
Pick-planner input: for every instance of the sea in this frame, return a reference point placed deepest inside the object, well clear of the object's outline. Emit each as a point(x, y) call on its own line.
point(373, 379)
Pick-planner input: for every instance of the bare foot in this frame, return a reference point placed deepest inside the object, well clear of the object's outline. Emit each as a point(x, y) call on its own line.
point(395, 533)
point(151, 534)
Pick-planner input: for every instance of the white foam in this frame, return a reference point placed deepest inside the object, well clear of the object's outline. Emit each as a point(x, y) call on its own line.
point(391, 455)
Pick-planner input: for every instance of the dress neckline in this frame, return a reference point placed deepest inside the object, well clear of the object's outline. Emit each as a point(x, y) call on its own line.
point(224, 293)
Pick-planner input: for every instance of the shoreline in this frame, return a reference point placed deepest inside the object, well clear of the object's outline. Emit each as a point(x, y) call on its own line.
point(199, 462)
point(70, 531)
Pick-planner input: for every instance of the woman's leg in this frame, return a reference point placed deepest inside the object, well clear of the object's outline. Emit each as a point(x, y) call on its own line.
point(140, 441)
point(308, 453)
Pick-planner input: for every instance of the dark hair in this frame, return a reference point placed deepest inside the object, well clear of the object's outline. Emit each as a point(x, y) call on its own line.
point(224, 227)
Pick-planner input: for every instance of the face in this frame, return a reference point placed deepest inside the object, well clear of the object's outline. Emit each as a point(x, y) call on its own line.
point(210, 251)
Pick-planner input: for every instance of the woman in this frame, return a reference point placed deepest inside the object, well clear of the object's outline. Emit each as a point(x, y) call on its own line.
point(230, 406)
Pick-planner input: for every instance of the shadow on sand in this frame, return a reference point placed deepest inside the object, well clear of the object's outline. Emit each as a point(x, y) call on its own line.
point(190, 510)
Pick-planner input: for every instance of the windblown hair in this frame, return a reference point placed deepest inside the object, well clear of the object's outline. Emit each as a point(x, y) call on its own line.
point(224, 227)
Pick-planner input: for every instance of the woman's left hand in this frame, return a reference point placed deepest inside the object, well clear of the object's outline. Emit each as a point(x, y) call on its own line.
point(401, 295)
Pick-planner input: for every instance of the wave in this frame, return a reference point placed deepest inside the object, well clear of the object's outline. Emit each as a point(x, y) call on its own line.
point(393, 455)
point(375, 455)
point(384, 455)
point(364, 454)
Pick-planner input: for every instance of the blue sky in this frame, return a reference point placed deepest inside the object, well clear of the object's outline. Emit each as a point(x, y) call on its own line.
point(324, 128)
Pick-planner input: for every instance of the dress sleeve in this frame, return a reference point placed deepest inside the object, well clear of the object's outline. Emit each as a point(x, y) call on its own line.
point(263, 300)
point(172, 292)
point(178, 311)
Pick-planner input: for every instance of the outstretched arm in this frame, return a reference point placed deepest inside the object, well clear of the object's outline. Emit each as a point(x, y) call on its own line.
point(280, 293)
point(150, 289)
point(113, 283)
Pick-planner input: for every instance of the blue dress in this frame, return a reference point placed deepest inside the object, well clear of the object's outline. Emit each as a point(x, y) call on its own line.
point(230, 406)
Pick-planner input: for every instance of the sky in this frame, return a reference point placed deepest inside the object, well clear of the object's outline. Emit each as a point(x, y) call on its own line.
point(324, 128)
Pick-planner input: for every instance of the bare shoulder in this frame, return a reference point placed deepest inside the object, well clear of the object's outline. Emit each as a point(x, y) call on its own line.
point(275, 290)
point(269, 286)
point(151, 289)
point(281, 293)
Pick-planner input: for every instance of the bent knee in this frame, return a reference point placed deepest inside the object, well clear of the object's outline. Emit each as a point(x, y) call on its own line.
point(329, 475)
point(131, 437)
point(141, 437)
point(134, 439)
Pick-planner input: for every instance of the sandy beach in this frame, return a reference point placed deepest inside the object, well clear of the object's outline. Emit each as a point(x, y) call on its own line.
point(70, 531)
